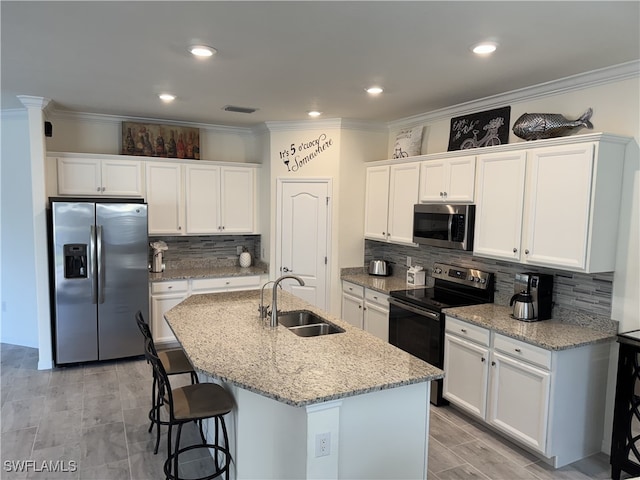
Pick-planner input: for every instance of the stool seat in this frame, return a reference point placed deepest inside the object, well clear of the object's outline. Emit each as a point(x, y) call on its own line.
point(199, 401)
point(175, 361)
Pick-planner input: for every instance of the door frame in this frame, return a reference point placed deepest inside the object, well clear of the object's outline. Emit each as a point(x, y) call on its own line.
point(280, 181)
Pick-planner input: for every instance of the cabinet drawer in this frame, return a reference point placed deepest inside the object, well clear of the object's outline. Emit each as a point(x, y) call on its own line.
point(174, 286)
point(468, 330)
point(224, 283)
point(353, 289)
point(522, 351)
point(373, 296)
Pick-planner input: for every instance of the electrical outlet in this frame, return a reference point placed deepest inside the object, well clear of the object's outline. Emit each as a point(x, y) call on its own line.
point(323, 444)
point(239, 249)
point(408, 261)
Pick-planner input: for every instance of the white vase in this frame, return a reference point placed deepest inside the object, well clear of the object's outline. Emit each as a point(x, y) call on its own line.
point(245, 259)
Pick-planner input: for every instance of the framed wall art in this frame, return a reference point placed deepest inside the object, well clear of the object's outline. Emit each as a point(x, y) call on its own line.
point(156, 140)
point(482, 129)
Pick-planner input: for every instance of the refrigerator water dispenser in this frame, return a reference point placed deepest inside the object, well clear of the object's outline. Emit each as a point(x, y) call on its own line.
point(75, 260)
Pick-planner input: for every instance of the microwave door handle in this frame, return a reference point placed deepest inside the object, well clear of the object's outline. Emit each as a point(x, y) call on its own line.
point(450, 227)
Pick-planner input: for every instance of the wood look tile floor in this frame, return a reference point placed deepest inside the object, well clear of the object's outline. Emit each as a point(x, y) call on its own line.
point(95, 415)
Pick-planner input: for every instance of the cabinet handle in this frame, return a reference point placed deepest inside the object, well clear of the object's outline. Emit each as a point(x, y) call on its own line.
point(483, 359)
point(179, 227)
point(445, 194)
point(515, 250)
point(359, 306)
point(98, 189)
point(463, 330)
point(441, 194)
point(169, 287)
point(526, 252)
point(103, 189)
point(383, 233)
point(518, 350)
point(493, 364)
point(375, 297)
point(227, 283)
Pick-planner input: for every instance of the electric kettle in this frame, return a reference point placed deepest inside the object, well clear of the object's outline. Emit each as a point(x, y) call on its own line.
point(522, 304)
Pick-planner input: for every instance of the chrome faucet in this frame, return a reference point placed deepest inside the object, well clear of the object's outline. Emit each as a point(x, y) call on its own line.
point(274, 298)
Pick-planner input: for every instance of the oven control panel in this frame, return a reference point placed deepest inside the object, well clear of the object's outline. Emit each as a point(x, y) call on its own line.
point(466, 276)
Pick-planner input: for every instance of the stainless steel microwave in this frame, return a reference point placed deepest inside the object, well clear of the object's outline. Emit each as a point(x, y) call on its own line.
point(446, 226)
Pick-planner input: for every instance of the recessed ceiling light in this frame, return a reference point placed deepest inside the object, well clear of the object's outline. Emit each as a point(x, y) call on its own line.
point(374, 90)
point(484, 48)
point(167, 97)
point(314, 113)
point(202, 50)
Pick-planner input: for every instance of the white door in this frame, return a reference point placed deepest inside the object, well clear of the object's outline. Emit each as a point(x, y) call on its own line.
point(516, 388)
point(303, 231)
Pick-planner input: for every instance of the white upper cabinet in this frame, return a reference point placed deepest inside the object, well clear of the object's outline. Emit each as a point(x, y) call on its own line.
point(500, 198)
point(202, 191)
point(165, 199)
point(391, 193)
point(448, 180)
point(376, 203)
point(108, 177)
point(554, 206)
point(237, 200)
point(220, 199)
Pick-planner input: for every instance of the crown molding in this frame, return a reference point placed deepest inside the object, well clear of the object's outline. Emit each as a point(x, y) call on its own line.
point(13, 114)
point(31, 101)
point(581, 81)
point(305, 125)
point(117, 119)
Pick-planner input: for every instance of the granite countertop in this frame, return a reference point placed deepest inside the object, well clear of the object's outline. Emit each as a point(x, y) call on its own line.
point(225, 339)
point(360, 276)
point(560, 333)
point(187, 272)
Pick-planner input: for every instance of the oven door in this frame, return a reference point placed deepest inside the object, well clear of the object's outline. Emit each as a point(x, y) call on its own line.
point(420, 332)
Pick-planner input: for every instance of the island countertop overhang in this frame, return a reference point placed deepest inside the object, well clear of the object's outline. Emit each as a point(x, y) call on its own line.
point(225, 339)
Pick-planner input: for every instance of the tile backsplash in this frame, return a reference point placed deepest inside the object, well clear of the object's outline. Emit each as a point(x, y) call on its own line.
point(589, 293)
point(206, 251)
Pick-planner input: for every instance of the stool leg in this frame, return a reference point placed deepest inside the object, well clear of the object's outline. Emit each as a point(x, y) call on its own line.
point(226, 445)
point(175, 459)
point(152, 414)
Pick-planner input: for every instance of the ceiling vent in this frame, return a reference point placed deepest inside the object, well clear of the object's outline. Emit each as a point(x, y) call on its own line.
point(232, 108)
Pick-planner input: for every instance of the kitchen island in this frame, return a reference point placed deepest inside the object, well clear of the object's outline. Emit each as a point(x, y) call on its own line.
point(345, 405)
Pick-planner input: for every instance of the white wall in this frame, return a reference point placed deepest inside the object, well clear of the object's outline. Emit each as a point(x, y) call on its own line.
point(19, 323)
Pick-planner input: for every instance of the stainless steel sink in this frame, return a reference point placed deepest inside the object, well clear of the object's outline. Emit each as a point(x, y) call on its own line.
point(305, 323)
point(297, 318)
point(316, 330)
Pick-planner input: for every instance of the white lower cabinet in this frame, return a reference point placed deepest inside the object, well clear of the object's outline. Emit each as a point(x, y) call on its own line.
point(167, 294)
point(366, 308)
point(549, 401)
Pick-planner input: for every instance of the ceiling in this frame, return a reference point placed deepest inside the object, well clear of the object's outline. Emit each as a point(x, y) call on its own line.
point(286, 58)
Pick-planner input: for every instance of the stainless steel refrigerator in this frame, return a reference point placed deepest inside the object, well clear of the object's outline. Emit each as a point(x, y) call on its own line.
point(99, 276)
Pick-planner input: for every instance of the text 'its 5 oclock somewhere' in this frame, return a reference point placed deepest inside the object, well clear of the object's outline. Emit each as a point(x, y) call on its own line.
point(301, 153)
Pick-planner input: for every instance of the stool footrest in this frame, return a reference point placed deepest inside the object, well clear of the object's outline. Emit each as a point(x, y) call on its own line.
point(220, 469)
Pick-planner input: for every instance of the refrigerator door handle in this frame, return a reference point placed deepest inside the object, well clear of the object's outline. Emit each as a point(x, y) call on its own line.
point(100, 266)
point(92, 266)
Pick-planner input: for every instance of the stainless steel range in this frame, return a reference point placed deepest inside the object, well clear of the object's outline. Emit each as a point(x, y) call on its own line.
point(416, 320)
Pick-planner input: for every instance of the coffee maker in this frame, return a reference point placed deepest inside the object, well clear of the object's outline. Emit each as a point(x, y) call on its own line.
point(537, 289)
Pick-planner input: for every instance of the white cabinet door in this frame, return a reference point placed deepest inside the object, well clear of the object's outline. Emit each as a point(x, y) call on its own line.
point(448, 180)
point(122, 178)
point(376, 321)
point(78, 176)
point(202, 193)
point(519, 400)
point(376, 203)
point(432, 180)
point(500, 198)
point(404, 182)
point(352, 309)
point(237, 192)
point(461, 179)
point(558, 206)
point(86, 176)
point(159, 305)
point(164, 197)
point(466, 374)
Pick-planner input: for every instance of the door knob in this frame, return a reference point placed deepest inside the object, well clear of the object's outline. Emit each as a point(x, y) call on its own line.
point(285, 269)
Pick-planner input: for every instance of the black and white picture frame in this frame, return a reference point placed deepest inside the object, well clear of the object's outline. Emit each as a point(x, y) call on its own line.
point(482, 129)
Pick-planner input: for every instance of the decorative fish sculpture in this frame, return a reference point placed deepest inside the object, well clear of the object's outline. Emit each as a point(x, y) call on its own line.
point(534, 126)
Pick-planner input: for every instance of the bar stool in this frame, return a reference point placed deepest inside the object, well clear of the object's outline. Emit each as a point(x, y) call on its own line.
point(193, 403)
point(174, 362)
